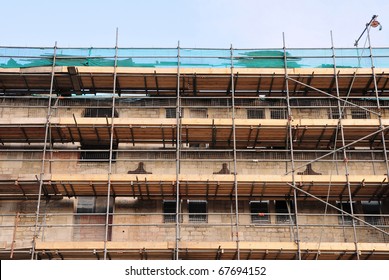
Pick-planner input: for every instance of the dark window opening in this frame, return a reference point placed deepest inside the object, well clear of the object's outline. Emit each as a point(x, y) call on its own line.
point(197, 211)
point(259, 211)
point(169, 211)
point(278, 114)
point(171, 113)
point(359, 114)
point(301, 102)
point(285, 211)
point(372, 210)
point(255, 113)
point(343, 218)
point(334, 114)
point(99, 113)
point(97, 153)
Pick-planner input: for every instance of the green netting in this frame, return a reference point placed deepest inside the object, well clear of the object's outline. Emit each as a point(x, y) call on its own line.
point(11, 57)
point(265, 59)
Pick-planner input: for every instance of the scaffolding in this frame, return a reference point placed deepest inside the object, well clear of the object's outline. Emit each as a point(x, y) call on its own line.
point(129, 153)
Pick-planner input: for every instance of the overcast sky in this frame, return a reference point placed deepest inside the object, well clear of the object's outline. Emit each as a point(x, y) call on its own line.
point(195, 23)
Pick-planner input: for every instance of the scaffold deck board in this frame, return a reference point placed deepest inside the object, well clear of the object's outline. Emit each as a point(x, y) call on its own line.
point(209, 81)
point(159, 186)
point(205, 250)
point(309, 133)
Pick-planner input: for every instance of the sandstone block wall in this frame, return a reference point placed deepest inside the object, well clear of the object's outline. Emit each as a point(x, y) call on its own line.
point(18, 221)
point(69, 162)
point(142, 220)
point(35, 108)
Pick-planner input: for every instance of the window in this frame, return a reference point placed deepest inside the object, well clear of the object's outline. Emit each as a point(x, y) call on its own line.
point(91, 218)
point(334, 113)
point(302, 102)
point(86, 205)
point(99, 113)
point(197, 211)
point(199, 113)
point(170, 113)
point(278, 114)
point(358, 113)
point(284, 210)
point(169, 211)
point(97, 153)
point(259, 211)
point(255, 114)
point(372, 208)
point(343, 218)
point(91, 204)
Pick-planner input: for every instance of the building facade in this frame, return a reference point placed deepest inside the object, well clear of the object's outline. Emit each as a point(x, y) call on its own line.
point(194, 153)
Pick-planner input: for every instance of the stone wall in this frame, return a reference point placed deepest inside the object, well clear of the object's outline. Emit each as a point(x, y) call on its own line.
point(18, 219)
point(142, 220)
point(164, 163)
point(34, 108)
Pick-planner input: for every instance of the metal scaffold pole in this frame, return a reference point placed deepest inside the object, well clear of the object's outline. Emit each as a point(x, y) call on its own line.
point(338, 209)
point(378, 103)
point(290, 134)
point(47, 130)
point(373, 72)
point(112, 133)
point(234, 155)
point(345, 158)
point(178, 156)
point(307, 129)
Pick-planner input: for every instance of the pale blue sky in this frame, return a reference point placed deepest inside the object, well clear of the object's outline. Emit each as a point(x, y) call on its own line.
point(195, 23)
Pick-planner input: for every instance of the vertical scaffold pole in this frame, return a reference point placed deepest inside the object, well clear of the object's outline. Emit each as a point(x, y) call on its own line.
point(345, 159)
point(47, 129)
point(178, 157)
point(290, 136)
point(112, 133)
point(234, 154)
point(378, 100)
point(378, 104)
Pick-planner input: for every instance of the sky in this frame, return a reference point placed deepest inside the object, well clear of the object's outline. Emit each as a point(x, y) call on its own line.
point(194, 23)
